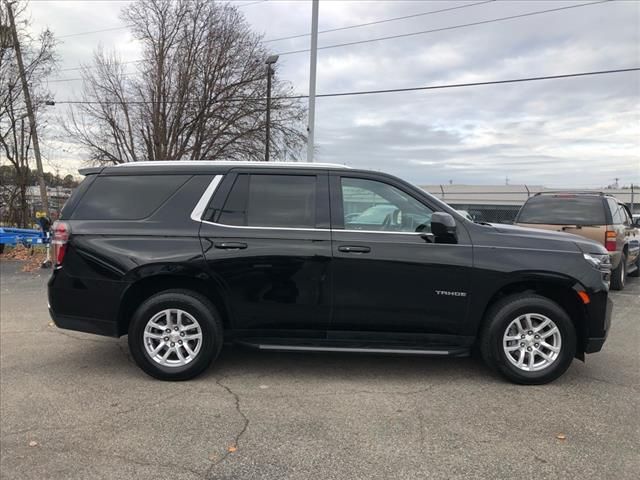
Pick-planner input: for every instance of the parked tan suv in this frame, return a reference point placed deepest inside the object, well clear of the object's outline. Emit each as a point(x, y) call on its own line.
point(595, 216)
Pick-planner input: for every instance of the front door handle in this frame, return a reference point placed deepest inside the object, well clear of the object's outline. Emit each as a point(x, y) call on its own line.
point(230, 245)
point(354, 249)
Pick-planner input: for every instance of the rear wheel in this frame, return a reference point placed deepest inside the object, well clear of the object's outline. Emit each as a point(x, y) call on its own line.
point(619, 275)
point(175, 335)
point(529, 339)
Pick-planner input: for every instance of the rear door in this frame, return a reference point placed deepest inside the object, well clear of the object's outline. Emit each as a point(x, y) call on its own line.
point(266, 238)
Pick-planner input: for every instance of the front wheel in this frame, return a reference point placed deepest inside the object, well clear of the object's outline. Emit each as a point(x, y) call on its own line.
point(529, 339)
point(175, 335)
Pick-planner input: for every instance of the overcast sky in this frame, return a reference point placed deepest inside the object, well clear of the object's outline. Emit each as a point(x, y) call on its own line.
point(571, 132)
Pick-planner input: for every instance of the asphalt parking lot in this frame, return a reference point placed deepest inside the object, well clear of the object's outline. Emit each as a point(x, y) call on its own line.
point(75, 406)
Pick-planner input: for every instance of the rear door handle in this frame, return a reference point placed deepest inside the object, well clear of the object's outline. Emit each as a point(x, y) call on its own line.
point(354, 249)
point(230, 245)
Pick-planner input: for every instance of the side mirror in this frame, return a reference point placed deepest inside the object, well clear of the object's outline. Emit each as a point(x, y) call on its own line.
point(443, 227)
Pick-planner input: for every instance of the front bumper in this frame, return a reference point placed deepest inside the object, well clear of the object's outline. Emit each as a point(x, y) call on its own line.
point(602, 315)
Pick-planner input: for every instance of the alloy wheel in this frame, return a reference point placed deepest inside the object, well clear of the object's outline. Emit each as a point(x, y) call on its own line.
point(172, 338)
point(532, 342)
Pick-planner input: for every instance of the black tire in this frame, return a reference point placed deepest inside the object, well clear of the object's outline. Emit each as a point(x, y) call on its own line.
point(194, 304)
point(500, 316)
point(618, 276)
point(636, 272)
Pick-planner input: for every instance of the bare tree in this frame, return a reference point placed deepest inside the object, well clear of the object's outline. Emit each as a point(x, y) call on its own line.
point(15, 133)
point(198, 93)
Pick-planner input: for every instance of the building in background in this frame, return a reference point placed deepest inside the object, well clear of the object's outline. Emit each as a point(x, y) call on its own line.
point(500, 203)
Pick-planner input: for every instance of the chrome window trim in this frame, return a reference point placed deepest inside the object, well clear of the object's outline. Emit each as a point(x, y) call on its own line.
point(309, 229)
point(201, 206)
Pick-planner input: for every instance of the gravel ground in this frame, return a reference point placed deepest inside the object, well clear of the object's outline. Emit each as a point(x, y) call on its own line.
point(75, 406)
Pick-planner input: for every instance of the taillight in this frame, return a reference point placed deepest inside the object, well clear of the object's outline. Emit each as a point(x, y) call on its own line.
point(610, 242)
point(61, 232)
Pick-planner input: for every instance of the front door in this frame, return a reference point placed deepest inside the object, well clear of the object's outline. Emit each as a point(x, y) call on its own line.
point(388, 274)
point(267, 241)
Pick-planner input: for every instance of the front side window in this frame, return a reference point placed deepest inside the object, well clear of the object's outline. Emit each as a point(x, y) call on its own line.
point(376, 206)
point(258, 200)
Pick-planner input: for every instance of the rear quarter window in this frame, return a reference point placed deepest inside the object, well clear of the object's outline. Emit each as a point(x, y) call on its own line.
point(556, 210)
point(130, 197)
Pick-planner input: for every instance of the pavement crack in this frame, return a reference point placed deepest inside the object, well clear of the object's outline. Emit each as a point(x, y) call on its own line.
point(241, 432)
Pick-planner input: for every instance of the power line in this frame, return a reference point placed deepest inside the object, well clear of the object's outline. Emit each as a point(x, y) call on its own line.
point(452, 27)
point(384, 91)
point(123, 27)
point(377, 22)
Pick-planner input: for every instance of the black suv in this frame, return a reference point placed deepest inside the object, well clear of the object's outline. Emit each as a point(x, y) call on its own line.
point(183, 256)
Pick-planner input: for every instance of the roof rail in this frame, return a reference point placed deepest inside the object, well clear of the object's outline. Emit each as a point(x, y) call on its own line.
point(577, 192)
point(224, 163)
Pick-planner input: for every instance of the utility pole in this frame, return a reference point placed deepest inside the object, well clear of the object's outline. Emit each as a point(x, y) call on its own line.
point(29, 105)
point(270, 61)
point(312, 80)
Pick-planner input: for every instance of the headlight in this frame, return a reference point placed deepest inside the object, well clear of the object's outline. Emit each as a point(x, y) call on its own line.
point(601, 262)
point(598, 260)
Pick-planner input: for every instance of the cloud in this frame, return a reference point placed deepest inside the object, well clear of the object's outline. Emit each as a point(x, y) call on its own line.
point(581, 131)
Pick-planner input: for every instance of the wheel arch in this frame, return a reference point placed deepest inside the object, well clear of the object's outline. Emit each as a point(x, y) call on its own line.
point(562, 290)
point(144, 286)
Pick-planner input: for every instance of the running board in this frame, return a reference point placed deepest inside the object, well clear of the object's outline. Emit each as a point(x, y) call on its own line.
point(457, 351)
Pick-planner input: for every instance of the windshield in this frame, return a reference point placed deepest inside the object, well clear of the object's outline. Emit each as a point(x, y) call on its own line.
point(563, 210)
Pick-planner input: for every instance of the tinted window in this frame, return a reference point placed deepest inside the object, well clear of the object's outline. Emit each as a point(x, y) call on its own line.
point(617, 212)
point(377, 206)
point(76, 195)
point(287, 201)
point(130, 197)
point(563, 210)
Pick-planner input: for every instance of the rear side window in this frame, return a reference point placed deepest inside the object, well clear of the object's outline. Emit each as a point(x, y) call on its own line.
point(70, 204)
point(618, 215)
point(256, 200)
point(563, 210)
point(130, 197)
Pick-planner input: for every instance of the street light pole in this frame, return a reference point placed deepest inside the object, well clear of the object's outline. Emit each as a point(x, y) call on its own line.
point(29, 105)
point(270, 61)
point(312, 80)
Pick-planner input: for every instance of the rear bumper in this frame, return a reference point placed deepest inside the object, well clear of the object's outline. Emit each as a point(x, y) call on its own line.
point(87, 325)
point(84, 305)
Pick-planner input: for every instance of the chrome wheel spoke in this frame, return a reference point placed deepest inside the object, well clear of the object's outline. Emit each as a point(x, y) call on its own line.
point(156, 326)
point(188, 348)
point(550, 332)
point(179, 354)
point(549, 347)
point(158, 348)
point(543, 325)
point(528, 323)
point(195, 336)
point(521, 358)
